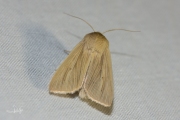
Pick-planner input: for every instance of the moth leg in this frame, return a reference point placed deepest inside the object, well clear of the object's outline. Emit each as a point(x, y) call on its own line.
point(67, 52)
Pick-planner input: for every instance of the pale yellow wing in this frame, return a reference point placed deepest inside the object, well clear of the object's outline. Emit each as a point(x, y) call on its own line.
point(99, 80)
point(70, 75)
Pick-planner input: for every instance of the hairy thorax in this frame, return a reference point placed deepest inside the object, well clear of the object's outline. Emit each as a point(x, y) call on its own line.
point(96, 42)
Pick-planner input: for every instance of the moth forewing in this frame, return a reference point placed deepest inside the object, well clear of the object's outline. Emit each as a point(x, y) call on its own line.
point(67, 79)
point(99, 83)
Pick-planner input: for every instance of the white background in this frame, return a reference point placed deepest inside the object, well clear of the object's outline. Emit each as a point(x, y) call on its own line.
point(146, 65)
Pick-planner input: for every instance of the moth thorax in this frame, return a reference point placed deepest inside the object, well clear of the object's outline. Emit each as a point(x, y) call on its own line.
point(97, 42)
point(101, 43)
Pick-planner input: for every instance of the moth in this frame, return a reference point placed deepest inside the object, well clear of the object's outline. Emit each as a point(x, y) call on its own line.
point(87, 69)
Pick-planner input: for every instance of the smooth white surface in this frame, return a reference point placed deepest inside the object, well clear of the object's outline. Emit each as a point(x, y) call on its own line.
point(34, 34)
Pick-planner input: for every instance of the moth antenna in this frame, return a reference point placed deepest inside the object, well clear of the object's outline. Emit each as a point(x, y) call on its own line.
point(81, 19)
point(120, 29)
